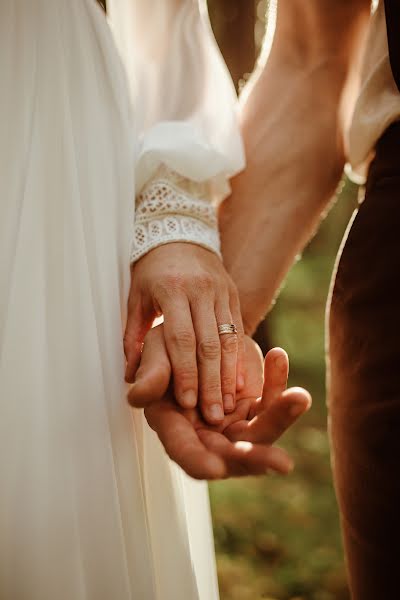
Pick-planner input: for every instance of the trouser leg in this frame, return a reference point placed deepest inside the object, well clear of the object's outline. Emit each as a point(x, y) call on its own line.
point(364, 382)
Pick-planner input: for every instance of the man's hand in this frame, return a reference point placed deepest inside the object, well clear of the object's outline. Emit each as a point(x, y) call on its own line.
point(242, 444)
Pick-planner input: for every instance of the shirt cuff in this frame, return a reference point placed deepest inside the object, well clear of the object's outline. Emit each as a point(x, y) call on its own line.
point(172, 208)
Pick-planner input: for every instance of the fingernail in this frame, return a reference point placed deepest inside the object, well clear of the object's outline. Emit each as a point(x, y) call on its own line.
point(189, 399)
point(215, 412)
point(229, 404)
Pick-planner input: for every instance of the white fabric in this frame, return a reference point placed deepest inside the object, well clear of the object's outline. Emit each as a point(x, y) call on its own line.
point(185, 109)
point(378, 104)
point(90, 506)
point(172, 208)
point(185, 102)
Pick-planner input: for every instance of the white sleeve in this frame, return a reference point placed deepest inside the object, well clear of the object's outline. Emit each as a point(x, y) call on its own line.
point(185, 108)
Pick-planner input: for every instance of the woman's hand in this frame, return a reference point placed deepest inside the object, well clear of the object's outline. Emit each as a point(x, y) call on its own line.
point(190, 288)
point(242, 444)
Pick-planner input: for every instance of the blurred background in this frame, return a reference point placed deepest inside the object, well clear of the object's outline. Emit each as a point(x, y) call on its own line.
point(276, 538)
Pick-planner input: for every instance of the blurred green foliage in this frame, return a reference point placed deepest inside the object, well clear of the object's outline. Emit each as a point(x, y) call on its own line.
point(278, 538)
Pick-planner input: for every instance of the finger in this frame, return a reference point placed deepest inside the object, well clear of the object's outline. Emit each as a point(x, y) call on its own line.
point(180, 341)
point(154, 372)
point(238, 321)
point(276, 372)
point(229, 354)
point(182, 443)
point(208, 360)
point(245, 458)
point(269, 425)
point(137, 325)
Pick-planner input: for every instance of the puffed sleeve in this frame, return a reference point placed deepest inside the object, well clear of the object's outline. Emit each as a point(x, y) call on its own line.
point(185, 109)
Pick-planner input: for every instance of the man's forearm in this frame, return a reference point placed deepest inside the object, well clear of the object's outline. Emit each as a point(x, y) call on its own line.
point(293, 121)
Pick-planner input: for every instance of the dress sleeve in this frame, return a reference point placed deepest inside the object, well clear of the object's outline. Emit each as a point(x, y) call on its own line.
point(185, 109)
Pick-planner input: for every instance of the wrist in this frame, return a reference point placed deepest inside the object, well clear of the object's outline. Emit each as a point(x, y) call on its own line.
point(172, 209)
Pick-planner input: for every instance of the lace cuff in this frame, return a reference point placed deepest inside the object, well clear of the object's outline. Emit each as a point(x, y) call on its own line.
point(171, 208)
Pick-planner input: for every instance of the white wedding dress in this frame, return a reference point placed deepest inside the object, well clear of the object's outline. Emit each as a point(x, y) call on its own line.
point(90, 506)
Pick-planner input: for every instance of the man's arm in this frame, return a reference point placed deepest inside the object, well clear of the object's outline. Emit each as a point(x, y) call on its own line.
point(295, 111)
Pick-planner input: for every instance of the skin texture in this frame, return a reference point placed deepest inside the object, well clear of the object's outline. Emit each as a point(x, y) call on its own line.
point(243, 443)
point(189, 286)
point(294, 113)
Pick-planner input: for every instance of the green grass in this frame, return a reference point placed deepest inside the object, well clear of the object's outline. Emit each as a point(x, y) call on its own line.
point(279, 538)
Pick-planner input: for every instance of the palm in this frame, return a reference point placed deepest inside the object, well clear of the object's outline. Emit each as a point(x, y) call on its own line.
point(242, 444)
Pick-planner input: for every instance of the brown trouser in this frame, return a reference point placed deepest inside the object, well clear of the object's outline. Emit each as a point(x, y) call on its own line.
point(364, 330)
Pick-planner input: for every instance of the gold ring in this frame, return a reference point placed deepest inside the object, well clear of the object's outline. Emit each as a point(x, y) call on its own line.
point(227, 328)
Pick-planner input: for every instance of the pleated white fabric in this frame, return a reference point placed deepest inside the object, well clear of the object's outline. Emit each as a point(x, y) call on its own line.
point(91, 508)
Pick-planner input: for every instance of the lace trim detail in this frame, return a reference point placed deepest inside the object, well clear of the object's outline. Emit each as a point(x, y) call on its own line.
point(171, 208)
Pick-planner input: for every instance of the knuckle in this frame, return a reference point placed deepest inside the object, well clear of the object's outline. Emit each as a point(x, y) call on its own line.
point(183, 340)
point(228, 383)
point(168, 285)
point(204, 282)
point(211, 392)
point(209, 349)
point(229, 343)
point(186, 376)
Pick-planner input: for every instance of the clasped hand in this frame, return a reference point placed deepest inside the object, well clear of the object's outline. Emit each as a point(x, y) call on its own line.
point(243, 443)
point(190, 287)
point(216, 409)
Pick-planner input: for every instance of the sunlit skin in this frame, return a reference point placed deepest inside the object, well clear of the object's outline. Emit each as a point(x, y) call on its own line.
point(294, 113)
point(189, 286)
point(243, 443)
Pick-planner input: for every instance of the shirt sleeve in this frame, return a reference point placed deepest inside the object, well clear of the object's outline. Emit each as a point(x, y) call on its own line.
point(185, 110)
